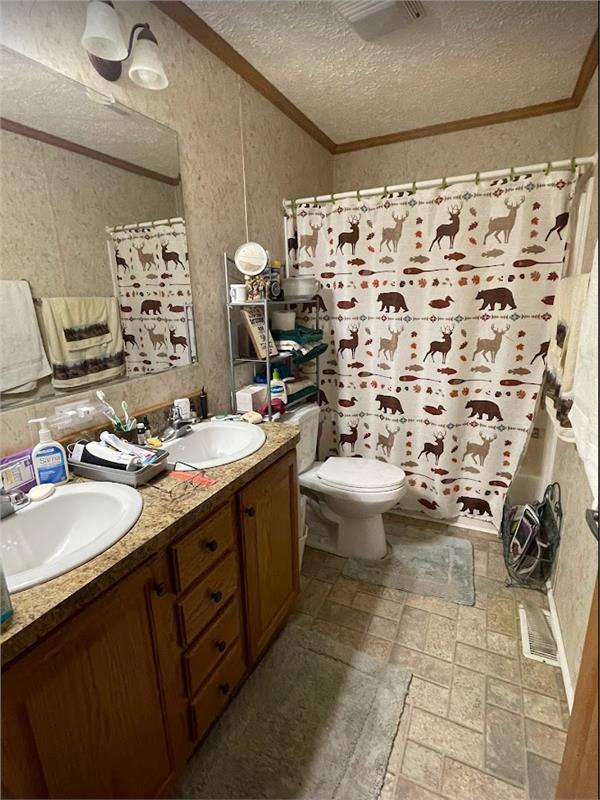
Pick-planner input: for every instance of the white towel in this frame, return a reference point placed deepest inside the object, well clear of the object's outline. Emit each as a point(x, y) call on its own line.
point(22, 357)
point(584, 412)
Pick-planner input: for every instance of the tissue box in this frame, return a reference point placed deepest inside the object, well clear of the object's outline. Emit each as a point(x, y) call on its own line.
point(251, 397)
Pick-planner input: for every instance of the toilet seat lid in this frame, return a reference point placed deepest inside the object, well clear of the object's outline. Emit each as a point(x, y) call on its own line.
point(361, 473)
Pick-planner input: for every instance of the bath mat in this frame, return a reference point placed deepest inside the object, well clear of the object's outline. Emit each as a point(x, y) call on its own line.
point(316, 720)
point(421, 562)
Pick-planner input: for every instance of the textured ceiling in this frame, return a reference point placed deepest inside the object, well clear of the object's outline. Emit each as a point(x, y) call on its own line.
point(461, 60)
point(48, 101)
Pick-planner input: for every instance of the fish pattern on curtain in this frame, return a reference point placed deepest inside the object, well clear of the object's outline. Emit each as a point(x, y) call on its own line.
point(150, 264)
point(438, 314)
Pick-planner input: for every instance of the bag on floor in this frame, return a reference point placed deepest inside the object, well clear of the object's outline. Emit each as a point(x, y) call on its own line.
point(531, 535)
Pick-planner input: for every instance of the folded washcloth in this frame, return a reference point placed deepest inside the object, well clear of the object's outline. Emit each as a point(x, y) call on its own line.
point(84, 339)
point(302, 358)
point(20, 367)
point(584, 411)
point(300, 334)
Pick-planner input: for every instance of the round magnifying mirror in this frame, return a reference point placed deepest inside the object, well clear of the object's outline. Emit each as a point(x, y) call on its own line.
point(251, 258)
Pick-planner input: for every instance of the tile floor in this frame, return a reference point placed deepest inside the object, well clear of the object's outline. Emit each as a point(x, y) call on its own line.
point(481, 721)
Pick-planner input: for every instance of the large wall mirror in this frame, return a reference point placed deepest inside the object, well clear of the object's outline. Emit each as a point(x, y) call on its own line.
point(95, 282)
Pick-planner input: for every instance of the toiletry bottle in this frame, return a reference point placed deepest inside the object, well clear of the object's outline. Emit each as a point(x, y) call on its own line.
point(49, 457)
point(278, 388)
point(6, 609)
point(203, 404)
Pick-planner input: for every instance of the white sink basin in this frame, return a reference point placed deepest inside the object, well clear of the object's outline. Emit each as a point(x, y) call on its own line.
point(215, 443)
point(53, 536)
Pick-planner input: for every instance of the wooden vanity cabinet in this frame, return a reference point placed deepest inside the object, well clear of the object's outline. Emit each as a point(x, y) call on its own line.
point(269, 537)
point(83, 712)
point(113, 702)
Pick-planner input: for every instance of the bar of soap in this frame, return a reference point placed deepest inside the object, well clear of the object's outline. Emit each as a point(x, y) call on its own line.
point(41, 492)
point(253, 417)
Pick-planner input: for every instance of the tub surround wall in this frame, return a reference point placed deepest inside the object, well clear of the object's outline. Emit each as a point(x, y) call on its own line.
point(203, 104)
point(577, 565)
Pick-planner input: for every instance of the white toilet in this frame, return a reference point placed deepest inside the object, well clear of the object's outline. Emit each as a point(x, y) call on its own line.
point(347, 496)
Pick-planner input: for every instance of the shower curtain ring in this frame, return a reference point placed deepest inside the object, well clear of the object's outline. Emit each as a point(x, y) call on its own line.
point(444, 184)
point(332, 199)
point(385, 191)
point(477, 178)
point(548, 168)
point(512, 173)
point(294, 206)
point(413, 188)
point(358, 195)
point(573, 164)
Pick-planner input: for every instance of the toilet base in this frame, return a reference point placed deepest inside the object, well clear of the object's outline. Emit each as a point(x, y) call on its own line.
point(352, 538)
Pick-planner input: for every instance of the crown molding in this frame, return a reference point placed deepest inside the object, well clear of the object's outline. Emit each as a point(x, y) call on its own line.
point(195, 26)
point(66, 144)
point(199, 30)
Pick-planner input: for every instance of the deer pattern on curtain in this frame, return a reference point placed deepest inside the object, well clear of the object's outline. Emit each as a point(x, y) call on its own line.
point(152, 274)
point(437, 307)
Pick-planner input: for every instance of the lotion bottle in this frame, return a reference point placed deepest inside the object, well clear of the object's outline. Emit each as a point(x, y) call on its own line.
point(49, 457)
point(278, 387)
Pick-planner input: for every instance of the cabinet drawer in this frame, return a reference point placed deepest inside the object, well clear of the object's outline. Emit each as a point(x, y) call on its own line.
point(209, 702)
point(205, 654)
point(202, 547)
point(202, 602)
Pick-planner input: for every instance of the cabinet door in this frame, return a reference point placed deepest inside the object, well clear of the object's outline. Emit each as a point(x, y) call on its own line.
point(82, 712)
point(269, 512)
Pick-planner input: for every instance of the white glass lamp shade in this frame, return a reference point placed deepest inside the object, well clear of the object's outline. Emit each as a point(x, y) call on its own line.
point(146, 68)
point(102, 36)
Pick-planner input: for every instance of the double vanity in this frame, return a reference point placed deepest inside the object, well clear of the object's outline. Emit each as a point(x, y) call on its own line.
point(125, 662)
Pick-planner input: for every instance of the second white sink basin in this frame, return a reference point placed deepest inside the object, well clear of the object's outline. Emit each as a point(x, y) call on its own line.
point(212, 444)
point(53, 536)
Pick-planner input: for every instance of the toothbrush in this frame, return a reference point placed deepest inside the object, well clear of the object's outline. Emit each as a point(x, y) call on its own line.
point(107, 409)
point(125, 407)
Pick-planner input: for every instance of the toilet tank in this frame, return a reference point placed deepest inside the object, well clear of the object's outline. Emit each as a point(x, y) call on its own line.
point(307, 419)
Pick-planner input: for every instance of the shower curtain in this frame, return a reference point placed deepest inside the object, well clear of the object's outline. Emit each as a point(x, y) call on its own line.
point(438, 315)
point(152, 275)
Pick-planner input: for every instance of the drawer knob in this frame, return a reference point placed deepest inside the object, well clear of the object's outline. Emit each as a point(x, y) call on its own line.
point(160, 589)
point(224, 688)
point(250, 511)
point(211, 545)
point(217, 596)
point(221, 645)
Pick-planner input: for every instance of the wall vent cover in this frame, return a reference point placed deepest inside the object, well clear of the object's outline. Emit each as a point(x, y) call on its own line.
point(374, 18)
point(536, 635)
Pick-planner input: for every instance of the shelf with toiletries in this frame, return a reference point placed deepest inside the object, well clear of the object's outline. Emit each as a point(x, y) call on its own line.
point(255, 341)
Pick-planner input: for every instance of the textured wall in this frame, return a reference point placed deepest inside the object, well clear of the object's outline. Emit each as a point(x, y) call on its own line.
point(518, 143)
point(54, 207)
point(577, 565)
point(202, 104)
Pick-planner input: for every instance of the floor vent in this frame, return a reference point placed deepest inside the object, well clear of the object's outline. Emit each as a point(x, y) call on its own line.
point(536, 635)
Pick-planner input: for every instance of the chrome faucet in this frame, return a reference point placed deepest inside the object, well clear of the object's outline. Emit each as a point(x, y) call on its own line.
point(11, 502)
point(176, 426)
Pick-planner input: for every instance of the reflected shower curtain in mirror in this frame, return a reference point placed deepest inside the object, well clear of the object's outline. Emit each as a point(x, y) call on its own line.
point(438, 317)
point(152, 275)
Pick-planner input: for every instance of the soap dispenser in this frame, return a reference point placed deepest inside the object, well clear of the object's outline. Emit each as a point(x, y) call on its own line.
point(278, 387)
point(48, 457)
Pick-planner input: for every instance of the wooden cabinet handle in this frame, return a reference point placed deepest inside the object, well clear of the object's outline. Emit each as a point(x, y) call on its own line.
point(217, 596)
point(221, 645)
point(250, 511)
point(211, 545)
point(224, 688)
point(160, 589)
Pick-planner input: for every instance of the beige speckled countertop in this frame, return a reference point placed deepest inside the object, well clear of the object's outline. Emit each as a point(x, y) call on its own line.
point(40, 609)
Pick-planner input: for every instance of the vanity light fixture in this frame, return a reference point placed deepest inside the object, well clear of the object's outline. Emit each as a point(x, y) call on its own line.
point(106, 48)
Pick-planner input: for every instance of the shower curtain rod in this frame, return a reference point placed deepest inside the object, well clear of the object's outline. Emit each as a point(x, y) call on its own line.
point(442, 182)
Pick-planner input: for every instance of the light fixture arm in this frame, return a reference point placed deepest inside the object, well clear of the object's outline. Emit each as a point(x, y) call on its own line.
point(138, 27)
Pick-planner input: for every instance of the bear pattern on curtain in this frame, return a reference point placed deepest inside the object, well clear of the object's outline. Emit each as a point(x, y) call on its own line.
point(438, 317)
point(152, 274)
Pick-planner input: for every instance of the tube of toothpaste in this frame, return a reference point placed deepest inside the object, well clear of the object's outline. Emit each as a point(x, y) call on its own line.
point(146, 455)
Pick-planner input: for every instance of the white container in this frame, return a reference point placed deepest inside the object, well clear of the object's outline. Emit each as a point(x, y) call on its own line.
point(299, 287)
point(283, 320)
point(251, 397)
point(307, 419)
point(238, 292)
